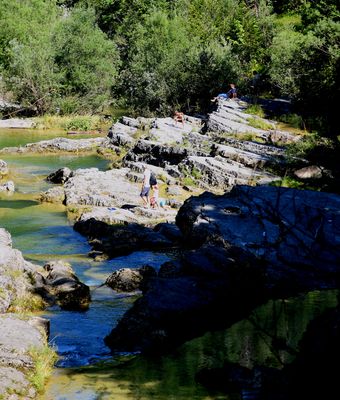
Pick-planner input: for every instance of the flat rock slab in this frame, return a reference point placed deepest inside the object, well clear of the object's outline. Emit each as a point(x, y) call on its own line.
point(17, 335)
point(16, 123)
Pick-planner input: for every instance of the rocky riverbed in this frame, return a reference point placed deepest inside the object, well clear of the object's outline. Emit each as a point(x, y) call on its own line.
point(26, 288)
point(240, 240)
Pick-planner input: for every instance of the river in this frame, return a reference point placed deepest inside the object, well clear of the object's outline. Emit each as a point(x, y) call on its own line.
point(86, 369)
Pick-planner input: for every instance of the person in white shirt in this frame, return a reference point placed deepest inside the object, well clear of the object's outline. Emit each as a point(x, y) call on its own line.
point(145, 191)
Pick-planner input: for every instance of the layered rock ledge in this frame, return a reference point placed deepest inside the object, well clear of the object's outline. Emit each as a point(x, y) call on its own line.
point(247, 246)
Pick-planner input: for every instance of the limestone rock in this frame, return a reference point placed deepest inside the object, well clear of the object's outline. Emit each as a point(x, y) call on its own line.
point(3, 168)
point(65, 287)
point(310, 172)
point(7, 187)
point(59, 176)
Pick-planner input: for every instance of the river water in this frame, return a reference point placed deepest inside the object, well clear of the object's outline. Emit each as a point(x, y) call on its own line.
point(85, 369)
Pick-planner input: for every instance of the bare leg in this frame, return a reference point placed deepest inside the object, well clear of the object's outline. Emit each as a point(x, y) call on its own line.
point(145, 200)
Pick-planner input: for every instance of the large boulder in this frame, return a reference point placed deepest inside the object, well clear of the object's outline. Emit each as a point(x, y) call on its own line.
point(116, 240)
point(18, 336)
point(61, 286)
point(15, 272)
point(58, 145)
point(194, 296)
point(130, 280)
point(292, 230)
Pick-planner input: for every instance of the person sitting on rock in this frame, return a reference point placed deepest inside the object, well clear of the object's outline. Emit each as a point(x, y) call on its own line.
point(179, 117)
point(157, 202)
point(163, 203)
point(231, 94)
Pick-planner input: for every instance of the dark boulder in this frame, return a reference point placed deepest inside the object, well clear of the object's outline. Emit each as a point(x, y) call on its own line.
point(60, 286)
point(60, 176)
point(130, 280)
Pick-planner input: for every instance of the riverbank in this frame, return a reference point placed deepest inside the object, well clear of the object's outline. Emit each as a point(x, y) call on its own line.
point(26, 360)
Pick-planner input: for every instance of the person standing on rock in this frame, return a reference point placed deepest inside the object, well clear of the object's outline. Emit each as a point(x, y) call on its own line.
point(145, 191)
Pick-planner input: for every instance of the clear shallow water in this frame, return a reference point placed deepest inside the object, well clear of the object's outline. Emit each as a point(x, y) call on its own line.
point(43, 233)
point(20, 137)
point(29, 171)
point(82, 343)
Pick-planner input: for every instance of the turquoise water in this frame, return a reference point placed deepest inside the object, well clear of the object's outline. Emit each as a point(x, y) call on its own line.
point(29, 171)
point(20, 137)
point(86, 370)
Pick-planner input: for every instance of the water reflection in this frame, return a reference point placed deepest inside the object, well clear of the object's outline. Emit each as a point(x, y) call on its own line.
point(250, 342)
point(83, 343)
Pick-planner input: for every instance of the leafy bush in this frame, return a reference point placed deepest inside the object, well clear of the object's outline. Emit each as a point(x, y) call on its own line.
point(169, 68)
point(70, 122)
point(302, 147)
point(27, 304)
point(78, 124)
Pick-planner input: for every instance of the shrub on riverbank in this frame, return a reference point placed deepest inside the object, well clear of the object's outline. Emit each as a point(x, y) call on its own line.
point(72, 122)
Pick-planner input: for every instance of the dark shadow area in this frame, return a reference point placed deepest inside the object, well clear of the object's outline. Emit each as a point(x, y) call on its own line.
point(128, 206)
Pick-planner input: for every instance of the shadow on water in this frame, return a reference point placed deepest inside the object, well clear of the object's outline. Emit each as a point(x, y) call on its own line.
point(251, 342)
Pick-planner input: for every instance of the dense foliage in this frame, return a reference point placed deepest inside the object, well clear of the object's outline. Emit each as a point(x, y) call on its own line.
point(158, 55)
point(55, 59)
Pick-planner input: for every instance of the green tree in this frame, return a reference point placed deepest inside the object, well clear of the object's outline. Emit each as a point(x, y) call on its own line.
point(171, 68)
point(87, 61)
point(27, 53)
point(247, 26)
point(53, 57)
point(305, 67)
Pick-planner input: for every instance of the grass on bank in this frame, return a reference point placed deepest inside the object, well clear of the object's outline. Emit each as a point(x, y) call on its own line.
point(101, 121)
point(72, 122)
point(43, 359)
point(29, 303)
